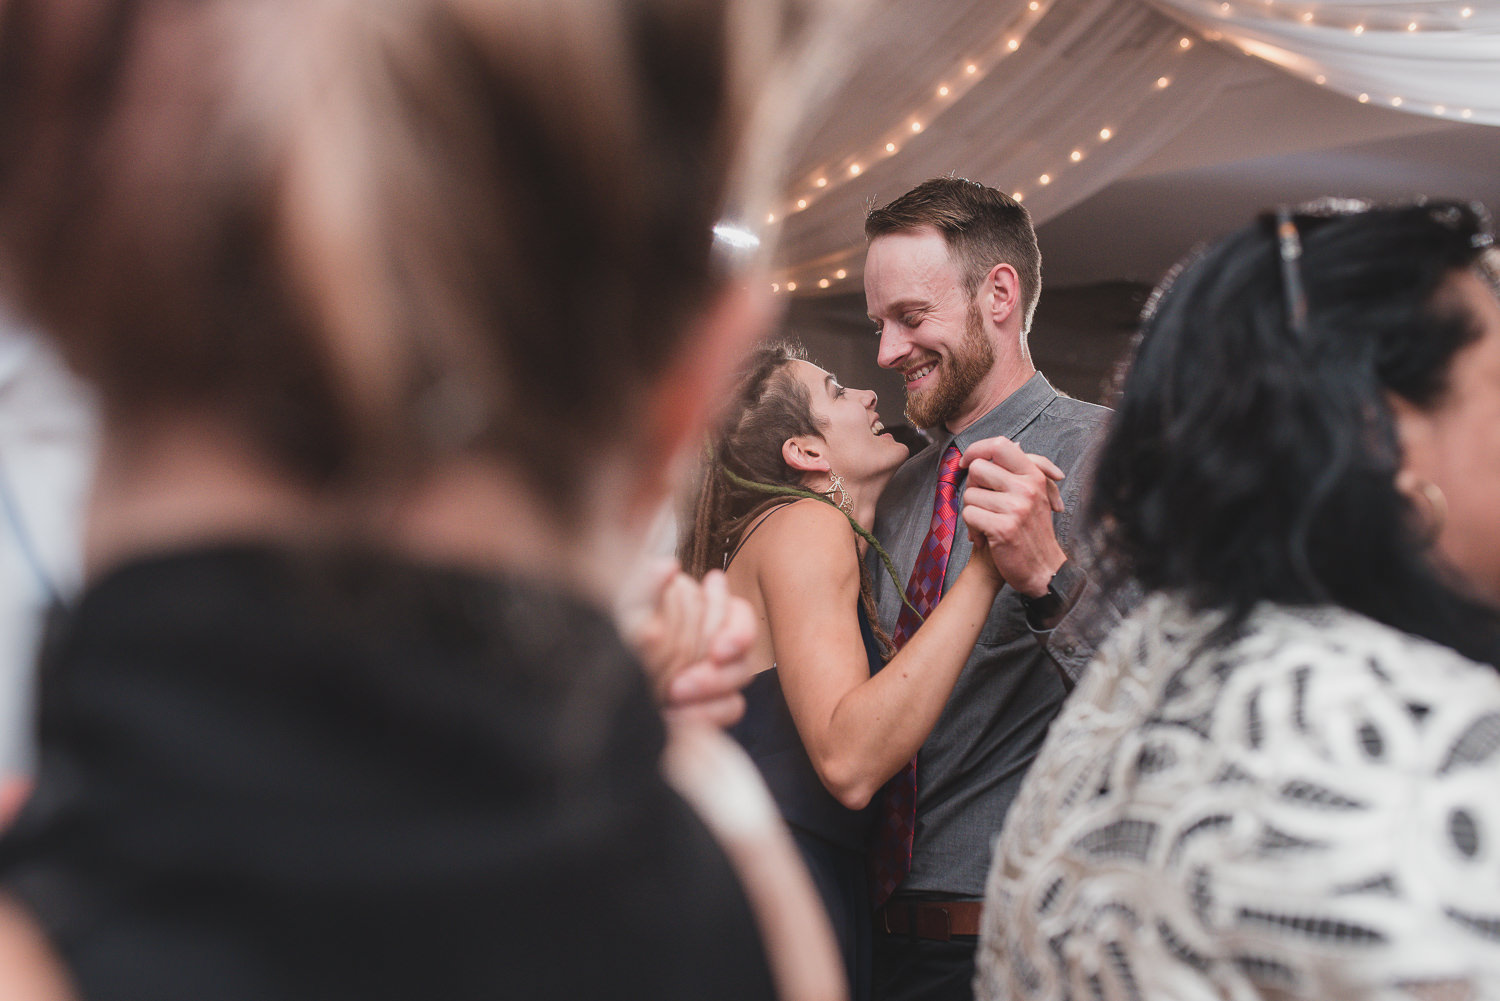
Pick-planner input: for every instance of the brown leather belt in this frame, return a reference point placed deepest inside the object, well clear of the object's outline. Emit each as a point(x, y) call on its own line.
point(930, 919)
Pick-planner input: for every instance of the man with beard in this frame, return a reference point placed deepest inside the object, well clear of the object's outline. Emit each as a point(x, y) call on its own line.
point(951, 281)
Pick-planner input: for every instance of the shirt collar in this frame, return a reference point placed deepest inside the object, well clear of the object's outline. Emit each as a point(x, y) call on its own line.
point(1009, 418)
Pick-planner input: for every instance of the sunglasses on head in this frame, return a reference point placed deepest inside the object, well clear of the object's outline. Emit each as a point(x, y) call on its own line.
point(1466, 223)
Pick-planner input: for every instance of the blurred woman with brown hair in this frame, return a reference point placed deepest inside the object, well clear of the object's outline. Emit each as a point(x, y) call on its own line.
point(394, 349)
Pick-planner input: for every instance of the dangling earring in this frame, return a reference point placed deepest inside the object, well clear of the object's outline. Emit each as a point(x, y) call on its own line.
point(1413, 486)
point(836, 486)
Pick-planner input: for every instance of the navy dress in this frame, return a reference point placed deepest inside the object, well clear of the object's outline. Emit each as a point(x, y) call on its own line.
point(832, 838)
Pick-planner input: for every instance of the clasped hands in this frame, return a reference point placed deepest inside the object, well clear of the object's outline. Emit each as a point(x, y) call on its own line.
point(1008, 505)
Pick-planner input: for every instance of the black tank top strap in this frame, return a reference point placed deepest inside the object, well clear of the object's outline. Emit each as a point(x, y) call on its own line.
point(765, 516)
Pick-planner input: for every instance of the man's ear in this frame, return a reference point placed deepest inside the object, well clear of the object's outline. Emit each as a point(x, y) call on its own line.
point(1002, 293)
point(676, 408)
point(806, 454)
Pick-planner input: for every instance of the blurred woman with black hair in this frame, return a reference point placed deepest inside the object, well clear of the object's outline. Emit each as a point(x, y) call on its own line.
point(1278, 777)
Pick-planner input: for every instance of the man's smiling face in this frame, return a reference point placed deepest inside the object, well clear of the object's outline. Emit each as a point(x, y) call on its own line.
point(931, 330)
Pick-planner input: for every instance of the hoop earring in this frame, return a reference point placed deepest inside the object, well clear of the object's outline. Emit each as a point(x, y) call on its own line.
point(836, 486)
point(1414, 486)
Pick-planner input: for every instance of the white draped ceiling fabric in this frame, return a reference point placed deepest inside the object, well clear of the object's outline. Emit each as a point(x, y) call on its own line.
point(1440, 59)
point(1053, 100)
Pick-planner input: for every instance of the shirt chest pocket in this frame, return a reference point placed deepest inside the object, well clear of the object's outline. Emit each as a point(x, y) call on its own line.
point(1006, 623)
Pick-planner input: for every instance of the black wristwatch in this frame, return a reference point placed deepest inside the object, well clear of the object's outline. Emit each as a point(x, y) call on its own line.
point(1046, 610)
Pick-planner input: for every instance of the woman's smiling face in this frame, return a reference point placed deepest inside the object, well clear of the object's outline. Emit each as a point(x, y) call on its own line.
point(857, 449)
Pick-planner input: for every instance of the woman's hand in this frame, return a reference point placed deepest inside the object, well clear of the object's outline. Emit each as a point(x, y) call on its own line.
point(694, 639)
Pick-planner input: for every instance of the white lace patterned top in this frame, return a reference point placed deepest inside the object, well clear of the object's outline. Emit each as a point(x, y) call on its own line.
point(1311, 811)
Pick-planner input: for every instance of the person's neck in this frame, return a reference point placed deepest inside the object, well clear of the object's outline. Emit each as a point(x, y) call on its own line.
point(491, 518)
point(172, 485)
point(863, 498)
point(1010, 372)
point(163, 484)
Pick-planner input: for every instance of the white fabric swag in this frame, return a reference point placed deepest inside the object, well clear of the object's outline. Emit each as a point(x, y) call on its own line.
point(1440, 59)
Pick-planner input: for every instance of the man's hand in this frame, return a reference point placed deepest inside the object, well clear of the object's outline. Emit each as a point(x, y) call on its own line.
point(1009, 501)
point(694, 639)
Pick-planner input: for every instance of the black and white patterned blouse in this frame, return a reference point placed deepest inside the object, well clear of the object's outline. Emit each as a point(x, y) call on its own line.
point(1310, 811)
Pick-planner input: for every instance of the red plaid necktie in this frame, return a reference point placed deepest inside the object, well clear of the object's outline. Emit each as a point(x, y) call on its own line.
point(890, 857)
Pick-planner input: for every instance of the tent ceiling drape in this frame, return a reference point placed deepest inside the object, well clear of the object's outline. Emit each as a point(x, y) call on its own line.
point(1059, 101)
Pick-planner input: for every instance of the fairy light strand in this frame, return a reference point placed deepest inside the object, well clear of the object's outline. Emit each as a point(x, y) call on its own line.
point(824, 276)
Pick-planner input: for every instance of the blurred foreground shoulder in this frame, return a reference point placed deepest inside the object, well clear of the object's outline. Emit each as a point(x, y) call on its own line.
point(1302, 811)
point(29, 971)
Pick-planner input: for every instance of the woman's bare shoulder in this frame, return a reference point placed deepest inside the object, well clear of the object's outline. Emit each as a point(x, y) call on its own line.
point(805, 520)
point(805, 532)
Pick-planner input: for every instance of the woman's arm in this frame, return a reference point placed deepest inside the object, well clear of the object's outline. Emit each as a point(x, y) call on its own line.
point(859, 730)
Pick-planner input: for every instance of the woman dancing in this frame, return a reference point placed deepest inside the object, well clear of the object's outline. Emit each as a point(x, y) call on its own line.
point(785, 508)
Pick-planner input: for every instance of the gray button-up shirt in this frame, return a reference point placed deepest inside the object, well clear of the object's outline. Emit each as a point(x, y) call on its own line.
point(971, 765)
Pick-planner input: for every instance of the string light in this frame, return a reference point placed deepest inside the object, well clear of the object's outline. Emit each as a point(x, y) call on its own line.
point(963, 74)
point(961, 77)
point(770, 218)
point(775, 287)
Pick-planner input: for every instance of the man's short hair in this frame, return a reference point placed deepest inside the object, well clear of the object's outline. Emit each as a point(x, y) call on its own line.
point(983, 227)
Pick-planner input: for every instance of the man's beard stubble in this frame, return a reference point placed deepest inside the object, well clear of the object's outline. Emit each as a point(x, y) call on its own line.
point(958, 375)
